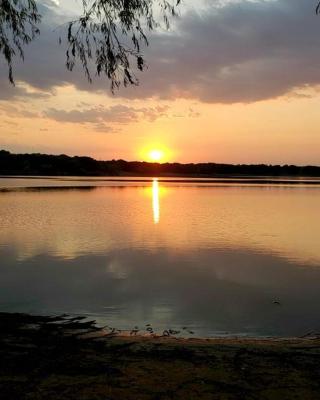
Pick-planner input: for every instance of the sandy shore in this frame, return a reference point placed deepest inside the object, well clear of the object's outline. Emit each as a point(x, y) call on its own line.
point(64, 358)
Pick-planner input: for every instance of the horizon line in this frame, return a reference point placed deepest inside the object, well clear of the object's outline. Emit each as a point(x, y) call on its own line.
point(164, 163)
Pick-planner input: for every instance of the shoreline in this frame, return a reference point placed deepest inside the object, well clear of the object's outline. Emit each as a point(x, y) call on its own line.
point(126, 335)
point(68, 358)
point(85, 328)
point(185, 341)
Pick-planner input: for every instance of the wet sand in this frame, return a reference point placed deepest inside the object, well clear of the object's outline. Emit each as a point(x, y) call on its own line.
point(69, 358)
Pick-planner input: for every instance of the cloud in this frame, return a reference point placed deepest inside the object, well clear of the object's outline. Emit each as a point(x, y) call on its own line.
point(120, 114)
point(21, 90)
point(17, 111)
point(242, 51)
point(104, 128)
point(100, 116)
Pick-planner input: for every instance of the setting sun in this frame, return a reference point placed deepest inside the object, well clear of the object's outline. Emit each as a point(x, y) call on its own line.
point(156, 155)
point(156, 152)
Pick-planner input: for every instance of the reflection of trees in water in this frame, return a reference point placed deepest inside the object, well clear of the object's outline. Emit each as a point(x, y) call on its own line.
point(49, 189)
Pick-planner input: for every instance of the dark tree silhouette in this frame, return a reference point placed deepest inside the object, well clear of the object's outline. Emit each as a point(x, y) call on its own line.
point(18, 27)
point(59, 165)
point(107, 35)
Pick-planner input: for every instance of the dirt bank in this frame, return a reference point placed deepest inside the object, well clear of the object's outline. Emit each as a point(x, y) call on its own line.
point(50, 358)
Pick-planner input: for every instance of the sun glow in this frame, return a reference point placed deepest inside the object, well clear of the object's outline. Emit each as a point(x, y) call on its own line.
point(156, 155)
point(155, 152)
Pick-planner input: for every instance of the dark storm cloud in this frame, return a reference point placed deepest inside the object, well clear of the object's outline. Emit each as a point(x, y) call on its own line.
point(242, 52)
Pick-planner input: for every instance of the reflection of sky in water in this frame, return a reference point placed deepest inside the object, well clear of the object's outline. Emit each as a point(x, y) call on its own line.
point(215, 260)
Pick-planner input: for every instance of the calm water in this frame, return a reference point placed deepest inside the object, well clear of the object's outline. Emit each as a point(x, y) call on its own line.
point(210, 256)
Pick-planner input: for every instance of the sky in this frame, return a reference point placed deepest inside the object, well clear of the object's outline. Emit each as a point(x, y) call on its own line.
point(233, 81)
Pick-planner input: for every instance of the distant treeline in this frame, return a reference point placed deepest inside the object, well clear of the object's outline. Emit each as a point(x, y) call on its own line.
point(43, 164)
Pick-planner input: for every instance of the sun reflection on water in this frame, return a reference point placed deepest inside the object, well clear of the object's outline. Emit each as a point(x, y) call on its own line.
point(155, 201)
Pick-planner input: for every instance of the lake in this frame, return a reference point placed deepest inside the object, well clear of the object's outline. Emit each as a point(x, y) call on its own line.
point(216, 257)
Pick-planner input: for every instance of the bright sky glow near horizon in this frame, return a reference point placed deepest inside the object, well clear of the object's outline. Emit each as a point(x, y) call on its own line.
point(238, 83)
